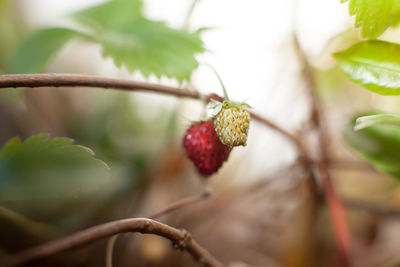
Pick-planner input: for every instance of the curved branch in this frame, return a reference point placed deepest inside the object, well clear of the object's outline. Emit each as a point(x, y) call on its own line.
point(57, 80)
point(181, 239)
point(170, 208)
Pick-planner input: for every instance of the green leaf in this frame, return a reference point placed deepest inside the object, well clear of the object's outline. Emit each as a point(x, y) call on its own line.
point(378, 119)
point(374, 17)
point(133, 41)
point(114, 14)
point(41, 168)
point(378, 144)
point(374, 65)
point(36, 52)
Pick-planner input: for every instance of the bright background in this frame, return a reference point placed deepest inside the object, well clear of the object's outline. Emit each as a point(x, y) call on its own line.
point(262, 211)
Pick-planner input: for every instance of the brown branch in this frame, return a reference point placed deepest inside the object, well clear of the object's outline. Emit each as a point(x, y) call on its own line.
point(58, 80)
point(294, 138)
point(170, 208)
point(336, 208)
point(181, 239)
point(71, 80)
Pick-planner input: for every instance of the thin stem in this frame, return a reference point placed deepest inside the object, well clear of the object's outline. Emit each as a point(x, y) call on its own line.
point(67, 80)
point(181, 239)
point(110, 250)
point(336, 208)
point(294, 138)
point(189, 14)
point(226, 97)
point(179, 204)
point(58, 80)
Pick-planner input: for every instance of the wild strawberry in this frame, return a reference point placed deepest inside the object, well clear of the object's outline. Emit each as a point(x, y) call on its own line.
point(232, 124)
point(204, 148)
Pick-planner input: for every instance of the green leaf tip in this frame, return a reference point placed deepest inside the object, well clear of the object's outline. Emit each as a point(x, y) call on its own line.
point(378, 119)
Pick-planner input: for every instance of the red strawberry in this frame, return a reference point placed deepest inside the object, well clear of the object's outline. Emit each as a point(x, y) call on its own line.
point(204, 148)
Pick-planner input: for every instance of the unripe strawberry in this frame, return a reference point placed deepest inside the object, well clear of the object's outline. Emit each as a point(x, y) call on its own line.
point(204, 148)
point(232, 124)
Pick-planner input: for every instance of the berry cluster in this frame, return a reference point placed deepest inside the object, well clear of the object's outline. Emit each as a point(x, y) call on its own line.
point(209, 143)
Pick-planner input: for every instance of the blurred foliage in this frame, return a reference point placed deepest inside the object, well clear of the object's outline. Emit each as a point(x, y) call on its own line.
point(36, 52)
point(374, 17)
point(11, 28)
point(378, 144)
point(379, 119)
point(43, 168)
point(330, 81)
point(50, 187)
point(373, 65)
point(117, 131)
point(126, 36)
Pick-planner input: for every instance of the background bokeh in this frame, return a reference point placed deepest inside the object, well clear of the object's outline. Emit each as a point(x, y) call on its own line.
point(261, 212)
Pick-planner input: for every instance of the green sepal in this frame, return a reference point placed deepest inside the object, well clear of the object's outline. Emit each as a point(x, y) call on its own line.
point(230, 104)
point(234, 104)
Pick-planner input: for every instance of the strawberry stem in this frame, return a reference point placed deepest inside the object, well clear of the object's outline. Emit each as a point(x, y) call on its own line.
point(220, 81)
